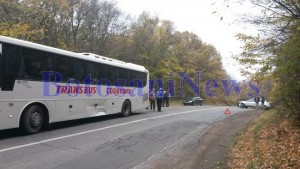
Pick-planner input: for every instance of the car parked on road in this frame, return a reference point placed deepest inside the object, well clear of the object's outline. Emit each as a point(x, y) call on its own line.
point(251, 103)
point(193, 101)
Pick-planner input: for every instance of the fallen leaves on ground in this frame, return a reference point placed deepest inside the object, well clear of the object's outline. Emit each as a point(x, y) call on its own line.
point(268, 142)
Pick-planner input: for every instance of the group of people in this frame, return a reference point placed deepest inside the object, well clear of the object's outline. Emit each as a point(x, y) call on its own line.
point(161, 97)
point(262, 100)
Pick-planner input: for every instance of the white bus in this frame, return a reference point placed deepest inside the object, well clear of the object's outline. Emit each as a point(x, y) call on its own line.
point(40, 85)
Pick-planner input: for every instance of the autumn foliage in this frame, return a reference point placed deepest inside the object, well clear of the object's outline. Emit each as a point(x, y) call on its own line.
point(100, 27)
point(271, 141)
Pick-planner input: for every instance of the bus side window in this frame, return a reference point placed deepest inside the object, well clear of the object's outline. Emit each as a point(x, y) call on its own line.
point(32, 63)
point(62, 64)
point(9, 62)
point(62, 70)
point(31, 69)
point(99, 73)
point(95, 75)
point(78, 71)
point(21, 70)
point(90, 71)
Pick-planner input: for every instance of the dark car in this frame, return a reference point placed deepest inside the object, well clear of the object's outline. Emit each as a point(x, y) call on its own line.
point(193, 101)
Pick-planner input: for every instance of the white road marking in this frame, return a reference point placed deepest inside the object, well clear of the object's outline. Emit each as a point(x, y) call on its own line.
point(99, 129)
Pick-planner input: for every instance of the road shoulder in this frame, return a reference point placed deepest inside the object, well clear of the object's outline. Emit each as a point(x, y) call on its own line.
point(202, 150)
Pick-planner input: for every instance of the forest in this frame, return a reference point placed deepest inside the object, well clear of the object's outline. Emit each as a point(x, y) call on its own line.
point(272, 56)
point(98, 26)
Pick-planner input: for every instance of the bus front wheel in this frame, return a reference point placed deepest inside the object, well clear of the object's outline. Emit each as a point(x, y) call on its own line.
point(126, 108)
point(32, 120)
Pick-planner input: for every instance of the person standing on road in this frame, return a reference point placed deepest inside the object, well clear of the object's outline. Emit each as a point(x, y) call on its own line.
point(166, 98)
point(159, 98)
point(262, 102)
point(256, 100)
point(152, 99)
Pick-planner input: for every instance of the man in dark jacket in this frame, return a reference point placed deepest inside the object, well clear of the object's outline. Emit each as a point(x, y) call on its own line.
point(166, 98)
point(256, 100)
point(262, 102)
point(159, 98)
point(152, 99)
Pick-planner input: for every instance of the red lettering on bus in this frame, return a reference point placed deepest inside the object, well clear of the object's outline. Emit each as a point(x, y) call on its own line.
point(64, 89)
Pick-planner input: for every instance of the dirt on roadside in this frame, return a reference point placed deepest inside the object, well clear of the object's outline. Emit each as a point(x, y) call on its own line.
point(206, 151)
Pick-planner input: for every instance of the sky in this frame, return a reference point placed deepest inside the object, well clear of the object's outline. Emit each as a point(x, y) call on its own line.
point(197, 16)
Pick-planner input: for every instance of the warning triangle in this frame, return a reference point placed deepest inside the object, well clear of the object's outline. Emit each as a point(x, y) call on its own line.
point(227, 111)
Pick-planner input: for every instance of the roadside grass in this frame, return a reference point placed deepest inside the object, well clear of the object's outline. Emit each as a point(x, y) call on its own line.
point(176, 101)
point(270, 141)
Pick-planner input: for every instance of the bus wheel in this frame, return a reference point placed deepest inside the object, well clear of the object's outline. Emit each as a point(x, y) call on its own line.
point(126, 108)
point(32, 120)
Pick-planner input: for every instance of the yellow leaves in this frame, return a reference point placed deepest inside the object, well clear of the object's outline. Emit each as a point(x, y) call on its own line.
point(276, 144)
point(21, 31)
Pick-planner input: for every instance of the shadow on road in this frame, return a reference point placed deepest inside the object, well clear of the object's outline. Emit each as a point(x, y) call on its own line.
point(10, 133)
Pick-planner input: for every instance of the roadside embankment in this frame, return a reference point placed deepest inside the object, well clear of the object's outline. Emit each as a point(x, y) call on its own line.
point(271, 141)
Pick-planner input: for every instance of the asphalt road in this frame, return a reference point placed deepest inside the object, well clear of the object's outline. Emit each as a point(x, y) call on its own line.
point(107, 142)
